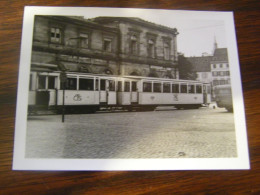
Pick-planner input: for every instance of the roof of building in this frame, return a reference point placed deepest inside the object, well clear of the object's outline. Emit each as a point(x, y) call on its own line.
point(106, 19)
point(200, 64)
point(220, 54)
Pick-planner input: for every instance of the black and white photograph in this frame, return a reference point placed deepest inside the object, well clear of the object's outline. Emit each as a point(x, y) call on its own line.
point(129, 89)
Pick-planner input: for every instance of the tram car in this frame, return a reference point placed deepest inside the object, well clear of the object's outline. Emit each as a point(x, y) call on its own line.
point(223, 96)
point(88, 92)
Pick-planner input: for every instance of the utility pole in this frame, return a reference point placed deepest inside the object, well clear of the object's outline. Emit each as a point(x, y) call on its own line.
point(63, 78)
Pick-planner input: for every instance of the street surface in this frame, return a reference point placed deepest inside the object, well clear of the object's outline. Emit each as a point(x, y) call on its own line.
point(164, 133)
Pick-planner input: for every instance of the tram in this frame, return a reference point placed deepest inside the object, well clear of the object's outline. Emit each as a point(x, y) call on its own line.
point(90, 92)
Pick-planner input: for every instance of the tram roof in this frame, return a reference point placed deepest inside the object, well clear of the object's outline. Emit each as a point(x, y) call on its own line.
point(129, 77)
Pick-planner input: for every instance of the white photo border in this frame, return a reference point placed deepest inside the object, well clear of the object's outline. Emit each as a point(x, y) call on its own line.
point(22, 163)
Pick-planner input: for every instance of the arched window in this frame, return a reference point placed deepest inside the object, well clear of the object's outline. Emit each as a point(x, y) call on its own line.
point(134, 74)
point(107, 71)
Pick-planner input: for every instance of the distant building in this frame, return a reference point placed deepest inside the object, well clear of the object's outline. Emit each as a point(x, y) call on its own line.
point(220, 67)
point(212, 69)
point(201, 66)
point(104, 45)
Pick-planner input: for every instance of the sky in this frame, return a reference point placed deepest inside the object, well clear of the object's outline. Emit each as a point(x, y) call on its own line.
point(197, 30)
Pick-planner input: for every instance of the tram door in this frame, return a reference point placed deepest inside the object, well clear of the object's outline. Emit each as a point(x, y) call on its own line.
point(205, 99)
point(103, 97)
point(107, 91)
point(134, 93)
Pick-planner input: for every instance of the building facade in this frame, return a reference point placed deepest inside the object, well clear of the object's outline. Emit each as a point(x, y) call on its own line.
point(104, 45)
point(220, 67)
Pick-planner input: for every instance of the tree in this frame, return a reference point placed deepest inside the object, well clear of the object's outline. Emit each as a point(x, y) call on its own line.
point(186, 69)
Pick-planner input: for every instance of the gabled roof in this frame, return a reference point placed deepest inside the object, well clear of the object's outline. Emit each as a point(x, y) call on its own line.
point(220, 54)
point(200, 64)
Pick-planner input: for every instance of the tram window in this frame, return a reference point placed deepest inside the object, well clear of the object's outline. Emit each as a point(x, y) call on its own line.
point(183, 88)
point(71, 84)
point(191, 89)
point(102, 85)
point(166, 87)
point(86, 84)
point(30, 82)
point(42, 82)
point(97, 84)
point(51, 82)
point(111, 85)
point(175, 88)
point(157, 87)
point(208, 90)
point(147, 87)
point(198, 89)
point(134, 86)
point(119, 86)
point(127, 86)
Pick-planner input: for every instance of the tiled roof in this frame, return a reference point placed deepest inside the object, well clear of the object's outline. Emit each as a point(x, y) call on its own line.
point(220, 54)
point(201, 64)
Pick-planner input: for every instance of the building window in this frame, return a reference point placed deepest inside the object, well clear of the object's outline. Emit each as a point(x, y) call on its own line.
point(227, 73)
point(215, 82)
point(228, 81)
point(84, 40)
point(133, 45)
point(222, 82)
point(214, 66)
point(107, 44)
point(222, 73)
point(214, 73)
point(151, 48)
point(220, 65)
point(227, 65)
point(55, 35)
point(166, 51)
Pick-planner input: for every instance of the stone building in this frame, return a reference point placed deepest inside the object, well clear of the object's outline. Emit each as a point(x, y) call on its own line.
point(104, 45)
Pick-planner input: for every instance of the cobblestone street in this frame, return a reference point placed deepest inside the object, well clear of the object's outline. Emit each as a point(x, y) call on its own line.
point(165, 133)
